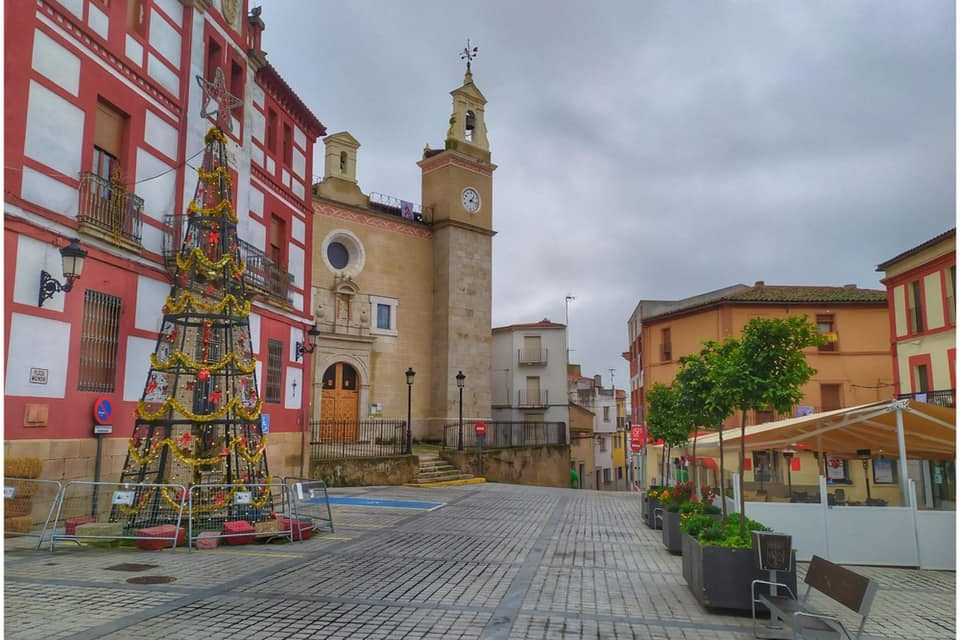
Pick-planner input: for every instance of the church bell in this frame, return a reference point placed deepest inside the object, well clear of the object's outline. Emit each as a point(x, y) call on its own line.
point(471, 121)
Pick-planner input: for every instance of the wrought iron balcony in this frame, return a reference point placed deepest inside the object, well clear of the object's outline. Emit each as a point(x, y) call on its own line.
point(532, 356)
point(941, 397)
point(262, 273)
point(532, 398)
point(110, 212)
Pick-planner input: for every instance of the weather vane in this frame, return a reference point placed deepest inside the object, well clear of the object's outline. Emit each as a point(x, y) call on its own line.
point(468, 54)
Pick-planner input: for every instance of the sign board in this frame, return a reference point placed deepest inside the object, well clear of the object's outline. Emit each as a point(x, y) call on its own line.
point(9, 492)
point(102, 410)
point(243, 497)
point(265, 423)
point(38, 375)
point(480, 429)
point(101, 429)
point(123, 497)
point(636, 438)
point(772, 551)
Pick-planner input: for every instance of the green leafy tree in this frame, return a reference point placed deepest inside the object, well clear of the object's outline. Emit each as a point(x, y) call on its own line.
point(766, 369)
point(667, 419)
point(703, 399)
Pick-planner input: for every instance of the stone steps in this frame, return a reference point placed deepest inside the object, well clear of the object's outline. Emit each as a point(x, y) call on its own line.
point(433, 468)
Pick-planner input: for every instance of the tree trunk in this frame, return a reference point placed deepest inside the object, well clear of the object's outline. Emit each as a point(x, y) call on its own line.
point(723, 492)
point(693, 472)
point(743, 454)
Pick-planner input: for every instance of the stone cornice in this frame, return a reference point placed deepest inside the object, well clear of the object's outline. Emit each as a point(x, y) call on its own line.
point(370, 219)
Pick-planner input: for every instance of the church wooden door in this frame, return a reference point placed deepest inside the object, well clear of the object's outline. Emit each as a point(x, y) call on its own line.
point(339, 404)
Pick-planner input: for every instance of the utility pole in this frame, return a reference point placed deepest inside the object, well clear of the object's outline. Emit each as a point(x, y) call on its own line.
point(616, 418)
point(566, 322)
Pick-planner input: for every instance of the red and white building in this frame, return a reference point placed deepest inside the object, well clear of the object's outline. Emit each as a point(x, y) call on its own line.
point(103, 135)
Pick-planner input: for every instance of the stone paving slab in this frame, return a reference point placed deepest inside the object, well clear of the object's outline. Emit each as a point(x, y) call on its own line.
point(496, 562)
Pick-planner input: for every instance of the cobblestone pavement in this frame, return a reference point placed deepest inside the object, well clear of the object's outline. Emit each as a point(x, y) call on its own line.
point(498, 562)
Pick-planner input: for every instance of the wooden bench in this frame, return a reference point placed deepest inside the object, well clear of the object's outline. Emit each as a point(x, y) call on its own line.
point(850, 589)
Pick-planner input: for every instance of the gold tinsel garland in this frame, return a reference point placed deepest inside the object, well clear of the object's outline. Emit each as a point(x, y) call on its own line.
point(171, 403)
point(216, 174)
point(223, 209)
point(186, 299)
point(215, 134)
point(234, 445)
point(179, 357)
point(196, 255)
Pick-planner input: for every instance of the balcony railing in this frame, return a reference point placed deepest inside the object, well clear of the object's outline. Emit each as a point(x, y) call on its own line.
point(397, 207)
point(262, 274)
point(531, 398)
point(532, 356)
point(108, 211)
point(941, 397)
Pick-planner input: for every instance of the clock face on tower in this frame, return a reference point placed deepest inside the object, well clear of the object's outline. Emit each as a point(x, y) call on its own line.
point(470, 200)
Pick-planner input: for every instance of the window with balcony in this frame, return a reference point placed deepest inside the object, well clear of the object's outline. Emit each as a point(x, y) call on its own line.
point(915, 306)
point(99, 339)
point(274, 386)
point(606, 414)
point(278, 240)
point(106, 209)
point(921, 378)
point(532, 351)
point(828, 331)
point(666, 348)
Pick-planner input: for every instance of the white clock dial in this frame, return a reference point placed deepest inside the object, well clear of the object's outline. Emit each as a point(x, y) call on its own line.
point(470, 200)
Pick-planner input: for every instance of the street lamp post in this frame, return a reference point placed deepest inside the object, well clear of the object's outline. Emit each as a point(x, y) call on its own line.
point(460, 379)
point(864, 455)
point(788, 455)
point(410, 374)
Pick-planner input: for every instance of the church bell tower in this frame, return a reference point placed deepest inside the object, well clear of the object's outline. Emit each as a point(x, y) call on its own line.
point(457, 191)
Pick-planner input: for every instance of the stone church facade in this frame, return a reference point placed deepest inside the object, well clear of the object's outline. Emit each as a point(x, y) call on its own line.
point(399, 285)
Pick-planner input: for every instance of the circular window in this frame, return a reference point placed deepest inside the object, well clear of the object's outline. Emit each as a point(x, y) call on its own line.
point(343, 253)
point(338, 255)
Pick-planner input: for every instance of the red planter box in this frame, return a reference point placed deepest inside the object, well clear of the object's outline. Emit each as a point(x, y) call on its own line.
point(302, 529)
point(236, 527)
point(71, 524)
point(167, 531)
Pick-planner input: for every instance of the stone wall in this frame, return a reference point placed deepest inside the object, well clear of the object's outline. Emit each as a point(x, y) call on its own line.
point(544, 466)
point(359, 472)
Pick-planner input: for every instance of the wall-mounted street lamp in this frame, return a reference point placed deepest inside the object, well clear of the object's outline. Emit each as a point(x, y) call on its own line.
point(864, 455)
point(72, 256)
point(460, 379)
point(312, 339)
point(410, 373)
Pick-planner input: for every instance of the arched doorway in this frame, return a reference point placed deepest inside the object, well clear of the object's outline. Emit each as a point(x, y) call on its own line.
point(339, 403)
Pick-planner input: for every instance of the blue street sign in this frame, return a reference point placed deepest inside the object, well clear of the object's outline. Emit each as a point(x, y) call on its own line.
point(102, 410)
point(265, 423)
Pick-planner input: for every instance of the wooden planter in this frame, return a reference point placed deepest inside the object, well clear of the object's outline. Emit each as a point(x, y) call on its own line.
point(649, 513)
point(720, 578)
point(672, 533)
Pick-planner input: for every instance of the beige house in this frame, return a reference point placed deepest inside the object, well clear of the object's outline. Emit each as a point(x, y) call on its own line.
point(398, 285)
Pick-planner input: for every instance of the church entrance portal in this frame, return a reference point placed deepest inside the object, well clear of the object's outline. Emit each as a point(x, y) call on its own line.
point(339, 402)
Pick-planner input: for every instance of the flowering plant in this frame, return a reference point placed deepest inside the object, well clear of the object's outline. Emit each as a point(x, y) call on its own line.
point(654, 492)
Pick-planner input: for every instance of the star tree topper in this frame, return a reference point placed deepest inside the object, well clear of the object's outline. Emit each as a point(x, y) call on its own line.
point(226, 102)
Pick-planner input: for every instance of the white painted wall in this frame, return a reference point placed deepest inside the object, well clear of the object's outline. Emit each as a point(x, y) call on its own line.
point(164, 75)
point(165, 38)
point(98, 20)
point(49, 193)
point(159, 191)
point(137, 366)
point(133, 50)
point(295, 258)
point(151, 295)
point(937, 539)
point(56, 63)
point(54, 134)
point(255, 334)
point(298, 230)
point(161, 135)
point(32, 257)
point(37, 343)
point(293, 396)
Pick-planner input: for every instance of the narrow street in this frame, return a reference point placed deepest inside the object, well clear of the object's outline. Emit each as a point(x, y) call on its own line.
point(494, 562)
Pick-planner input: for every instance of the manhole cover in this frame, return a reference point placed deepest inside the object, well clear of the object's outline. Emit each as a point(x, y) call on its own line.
point(131, 566)
point(151, 579)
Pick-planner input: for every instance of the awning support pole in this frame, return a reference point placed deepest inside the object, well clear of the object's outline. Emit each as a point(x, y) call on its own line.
point(902, 445)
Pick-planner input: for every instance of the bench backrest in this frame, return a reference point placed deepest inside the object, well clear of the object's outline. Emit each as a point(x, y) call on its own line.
point(849, 588)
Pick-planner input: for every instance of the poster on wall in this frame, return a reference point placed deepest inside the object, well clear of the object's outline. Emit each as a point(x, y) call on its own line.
point(883, 471)
point(835, 469)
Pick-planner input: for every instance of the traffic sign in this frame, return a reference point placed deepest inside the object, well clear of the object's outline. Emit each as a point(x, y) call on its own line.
point(102, 410)
point(480, 429)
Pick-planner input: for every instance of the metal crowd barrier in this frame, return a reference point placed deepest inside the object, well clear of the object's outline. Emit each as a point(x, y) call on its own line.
point(213, 506)
point(311, 502)
point(28, 506)
point(110, 511)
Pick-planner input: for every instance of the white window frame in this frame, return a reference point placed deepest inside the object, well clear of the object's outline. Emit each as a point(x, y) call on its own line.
point(394, 304)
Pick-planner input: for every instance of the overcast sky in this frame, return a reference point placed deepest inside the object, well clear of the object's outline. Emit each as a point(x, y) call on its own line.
point(652, 149)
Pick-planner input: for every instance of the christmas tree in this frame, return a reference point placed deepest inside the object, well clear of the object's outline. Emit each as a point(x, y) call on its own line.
point(198, 421)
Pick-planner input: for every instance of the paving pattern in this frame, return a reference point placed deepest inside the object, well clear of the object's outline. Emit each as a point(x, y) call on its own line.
point(497, 562)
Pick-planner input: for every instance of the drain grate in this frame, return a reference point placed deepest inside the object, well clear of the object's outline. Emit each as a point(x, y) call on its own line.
point(131, 566)
point(151, 579)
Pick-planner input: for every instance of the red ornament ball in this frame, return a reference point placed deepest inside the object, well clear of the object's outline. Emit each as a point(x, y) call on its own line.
point(203, 375)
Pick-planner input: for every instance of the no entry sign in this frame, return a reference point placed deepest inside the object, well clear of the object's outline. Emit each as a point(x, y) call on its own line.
point(480, 429)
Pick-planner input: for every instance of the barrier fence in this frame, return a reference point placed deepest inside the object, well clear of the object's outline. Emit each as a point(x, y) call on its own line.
point(240, 514)
point(29, 505)
point(506, 434)
point(311, 502)
point(357, 438)
point(150, 514)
